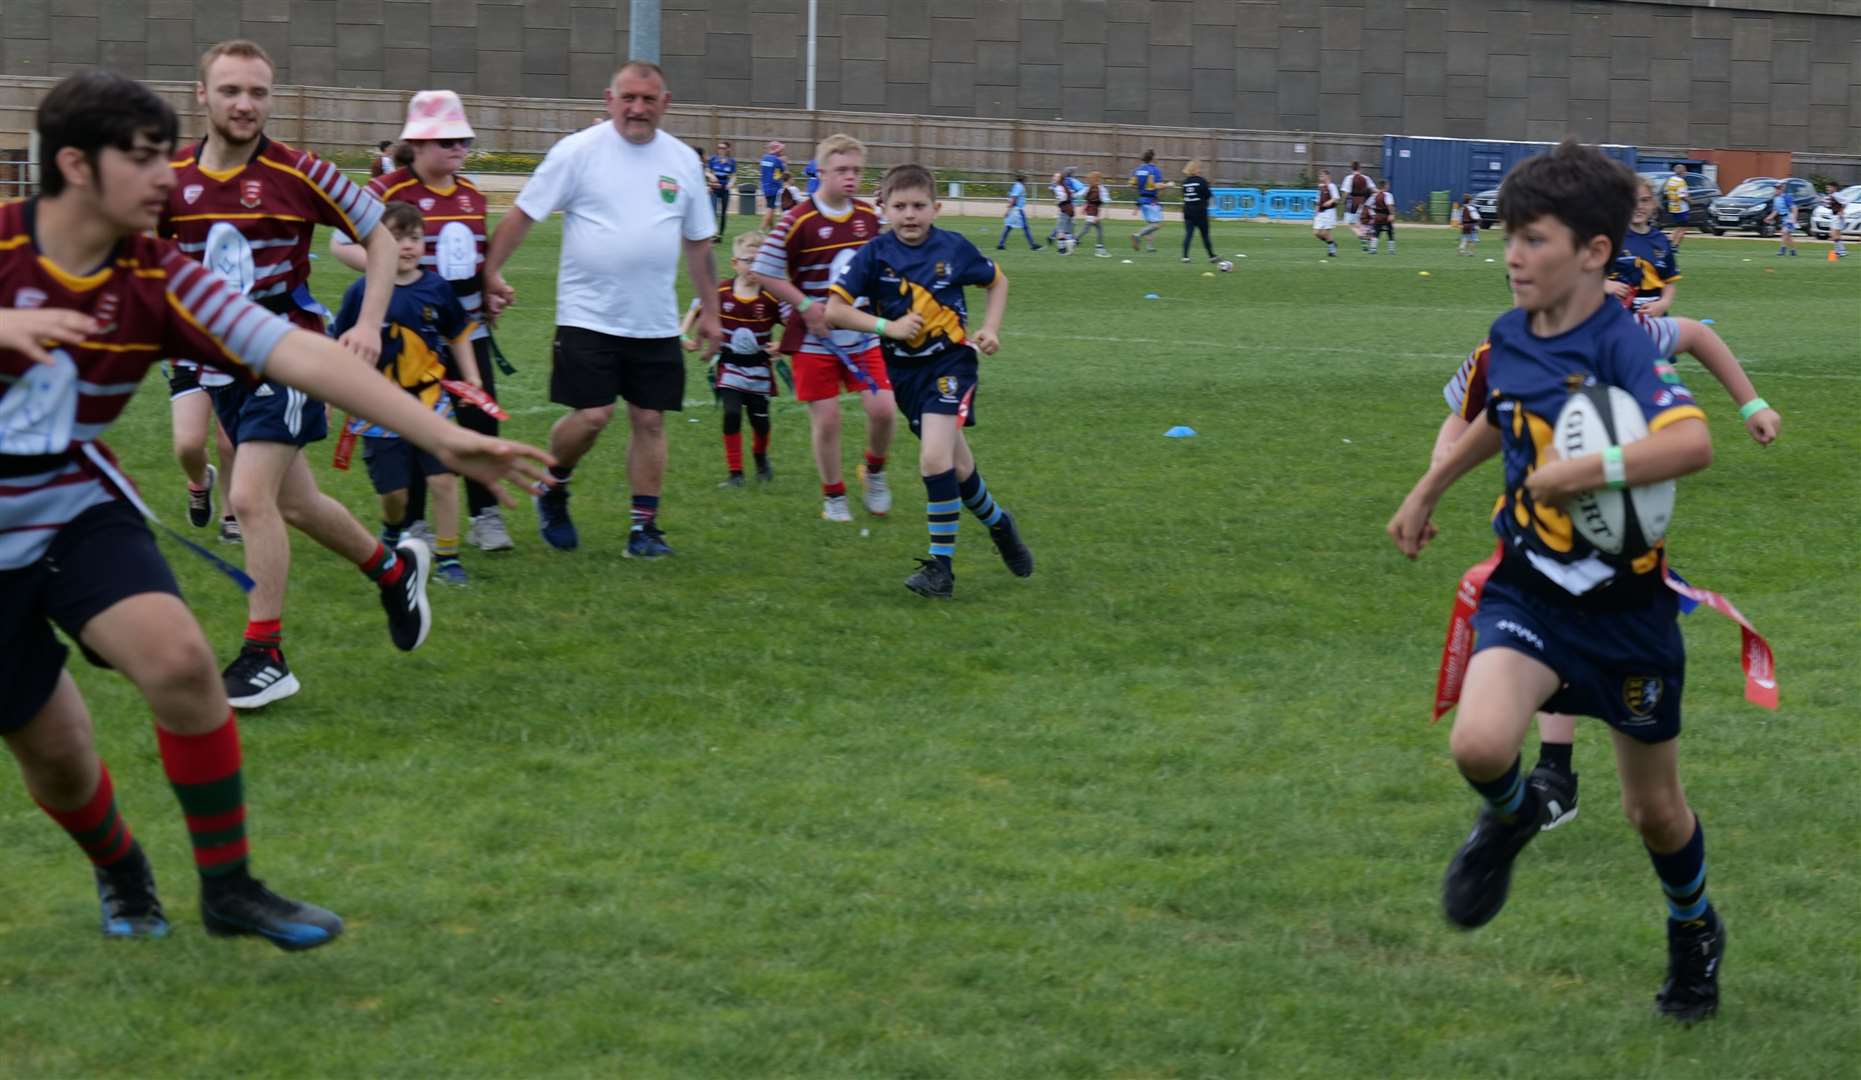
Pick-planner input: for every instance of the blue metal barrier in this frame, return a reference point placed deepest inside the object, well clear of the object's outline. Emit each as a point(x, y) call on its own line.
point(1291, 204)
point(1232, 203)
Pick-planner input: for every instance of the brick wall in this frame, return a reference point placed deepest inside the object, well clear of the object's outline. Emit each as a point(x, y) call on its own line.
point(1770, 73)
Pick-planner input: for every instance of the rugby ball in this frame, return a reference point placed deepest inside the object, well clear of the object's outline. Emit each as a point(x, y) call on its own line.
point(1615, 522)
point(1224, 266)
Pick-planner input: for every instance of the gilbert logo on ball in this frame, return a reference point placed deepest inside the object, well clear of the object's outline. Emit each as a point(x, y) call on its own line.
point(1616, 522)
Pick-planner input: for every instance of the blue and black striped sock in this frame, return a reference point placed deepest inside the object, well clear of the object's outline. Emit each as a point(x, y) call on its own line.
point(1506, 795)
point(976, 496)
point(1683, 877)
point(943, 509)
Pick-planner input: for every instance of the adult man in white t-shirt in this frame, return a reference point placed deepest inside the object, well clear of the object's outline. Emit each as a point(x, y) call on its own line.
point(632, 197)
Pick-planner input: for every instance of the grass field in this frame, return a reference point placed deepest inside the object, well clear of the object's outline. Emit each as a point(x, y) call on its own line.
point(1171, 807)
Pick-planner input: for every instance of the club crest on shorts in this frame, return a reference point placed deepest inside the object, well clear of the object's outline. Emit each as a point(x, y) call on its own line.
point(668, 190)
point(249, 193)
point(1641, 694)
point(192, 193)
point(946, 386)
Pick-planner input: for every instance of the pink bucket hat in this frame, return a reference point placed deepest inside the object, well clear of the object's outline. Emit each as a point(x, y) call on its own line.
point(436, 114)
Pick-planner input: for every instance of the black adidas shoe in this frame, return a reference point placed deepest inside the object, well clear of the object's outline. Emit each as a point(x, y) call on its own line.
point(933, 579)
point(1481, 873)
point(1557, 793)
point(245, 906)
point(1694, 949)
point(200, 503)
point(1008, 541)
point(409, 617)
point(257, 677)
point(126, 893)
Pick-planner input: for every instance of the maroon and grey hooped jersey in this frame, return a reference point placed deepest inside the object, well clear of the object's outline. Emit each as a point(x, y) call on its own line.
point(810, 248)
point(749, 326)
point(150, 301)
point(253, 225)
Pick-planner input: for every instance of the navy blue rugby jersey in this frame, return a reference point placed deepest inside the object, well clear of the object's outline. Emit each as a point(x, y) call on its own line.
point(896, 278)
point(1529, 380)
point(1647, 262)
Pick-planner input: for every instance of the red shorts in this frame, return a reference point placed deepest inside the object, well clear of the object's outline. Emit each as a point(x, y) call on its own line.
point(821, 376)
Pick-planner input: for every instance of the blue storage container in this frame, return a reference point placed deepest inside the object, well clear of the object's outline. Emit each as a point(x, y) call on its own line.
point(1417, 165)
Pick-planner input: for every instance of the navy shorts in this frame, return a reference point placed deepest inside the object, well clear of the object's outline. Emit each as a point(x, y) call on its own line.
point(393, 463)
point(1680, 216)
point(945, 384)
point(1624, 667)
point(106, 554)
point(270, 412)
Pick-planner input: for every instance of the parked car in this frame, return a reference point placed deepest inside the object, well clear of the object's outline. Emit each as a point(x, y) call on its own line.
point(1820, 221)
point(1747, 205)
point(1700, 193)
point(1487, 203)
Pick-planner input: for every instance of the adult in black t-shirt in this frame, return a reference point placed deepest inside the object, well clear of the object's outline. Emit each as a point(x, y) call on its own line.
point(1195, 209)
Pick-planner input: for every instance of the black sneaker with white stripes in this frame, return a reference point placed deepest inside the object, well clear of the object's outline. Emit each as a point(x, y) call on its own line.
point(200, 503)
point(257, 677)
point(409, 617)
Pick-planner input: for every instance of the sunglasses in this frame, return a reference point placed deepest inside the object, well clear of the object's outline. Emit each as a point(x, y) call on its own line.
point(453, 144)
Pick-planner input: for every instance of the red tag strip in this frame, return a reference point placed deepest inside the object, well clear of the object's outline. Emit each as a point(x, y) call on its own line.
point(474, 397)
point(1458, 649)
point(1755, 653)
point(345, 447)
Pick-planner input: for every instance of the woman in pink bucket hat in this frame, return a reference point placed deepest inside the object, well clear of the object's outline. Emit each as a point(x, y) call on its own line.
point(454, 209)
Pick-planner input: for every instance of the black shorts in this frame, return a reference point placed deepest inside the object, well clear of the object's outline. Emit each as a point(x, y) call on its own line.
point(106, 554)
point(589, 370)
point(393, 463)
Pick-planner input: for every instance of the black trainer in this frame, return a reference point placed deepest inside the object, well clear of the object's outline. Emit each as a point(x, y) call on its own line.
point(1008, 541)
point(409, 617)
point(126, 893)
point(244, 906)
point(933, 579)
point(1481, 873)
point(257, 677)
point(200, 503)
point(1557, 793)
point(764, 473)
point(1694, 949)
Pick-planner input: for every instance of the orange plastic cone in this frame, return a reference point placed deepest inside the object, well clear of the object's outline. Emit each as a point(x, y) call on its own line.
point(1831, 254)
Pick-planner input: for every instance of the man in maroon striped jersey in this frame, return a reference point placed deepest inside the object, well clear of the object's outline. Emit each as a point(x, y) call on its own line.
point(88, 303)
point(247, 206)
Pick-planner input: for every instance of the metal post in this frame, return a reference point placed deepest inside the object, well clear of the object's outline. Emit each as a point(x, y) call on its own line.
point(813, 6)
point(643, 31)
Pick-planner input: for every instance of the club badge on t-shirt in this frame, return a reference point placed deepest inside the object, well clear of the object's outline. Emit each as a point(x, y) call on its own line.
point(668, 190)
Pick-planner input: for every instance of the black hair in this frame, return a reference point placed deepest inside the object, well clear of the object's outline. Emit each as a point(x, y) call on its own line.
point(907, 177)
point(384, 144)
point(1149, 156)
point(1593, 195)
point(95, 110)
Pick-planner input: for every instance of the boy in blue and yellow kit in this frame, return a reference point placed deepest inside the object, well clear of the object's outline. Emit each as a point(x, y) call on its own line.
point(424, 320)
point(1562, 626)
point(912, 277)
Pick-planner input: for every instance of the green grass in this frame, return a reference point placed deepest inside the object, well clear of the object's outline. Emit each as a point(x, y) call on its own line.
point(1169, 808)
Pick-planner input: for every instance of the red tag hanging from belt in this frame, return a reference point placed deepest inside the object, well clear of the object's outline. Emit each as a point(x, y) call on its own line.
point(1458, 649)
point(345, 446)
point(1755, 653)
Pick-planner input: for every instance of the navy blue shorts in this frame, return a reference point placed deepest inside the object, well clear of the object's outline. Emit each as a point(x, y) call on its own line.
point(269, 412)
point(1626, 668)
point(106, 554)
point(1680, 216)
point(393, 463)
point(945, 384)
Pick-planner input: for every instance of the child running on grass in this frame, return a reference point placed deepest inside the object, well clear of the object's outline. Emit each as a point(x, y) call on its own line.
point(424, 319)
point(913, 278)
point(742, 377)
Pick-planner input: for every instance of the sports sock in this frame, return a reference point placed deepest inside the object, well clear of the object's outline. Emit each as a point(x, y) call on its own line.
point(834, 490)
point(645, 509)
point(267, 634)
point(96, 826)
point(1554, 755)
point(1683, 877)
point(874, 464)
point(205, 773)
point(391, 532)
point(733, 451)
point(942, 509)
point(1331, 246)
point(975, 495)
point(759, 444)
point(1508, 795)
point(446, 547)
point(383, 568)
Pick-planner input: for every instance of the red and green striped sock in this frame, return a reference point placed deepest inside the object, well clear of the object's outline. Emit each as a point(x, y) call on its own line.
point(205, 773)
point(96, 826)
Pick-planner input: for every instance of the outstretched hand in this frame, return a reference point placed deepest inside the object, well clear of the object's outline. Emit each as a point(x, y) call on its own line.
point(25, 331)
point(496, 462)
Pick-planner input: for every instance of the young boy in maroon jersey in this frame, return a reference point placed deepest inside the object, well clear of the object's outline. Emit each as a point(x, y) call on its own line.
point(743, 379)
point(90, 303)
point(247, 206)
point(809, 247)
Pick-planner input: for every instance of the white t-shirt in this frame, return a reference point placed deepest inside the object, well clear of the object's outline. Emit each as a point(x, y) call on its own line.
point(625, 210)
